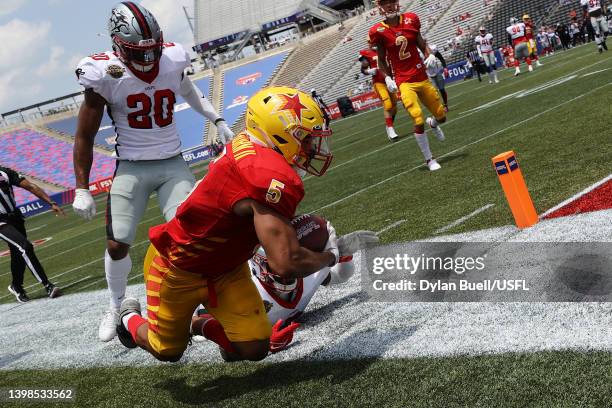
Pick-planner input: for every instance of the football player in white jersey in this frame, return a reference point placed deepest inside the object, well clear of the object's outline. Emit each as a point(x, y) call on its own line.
point(437, 72)
point(596, 11)
point(286, 299)
point(138, 82)
point(484, 45)
point(517, 37)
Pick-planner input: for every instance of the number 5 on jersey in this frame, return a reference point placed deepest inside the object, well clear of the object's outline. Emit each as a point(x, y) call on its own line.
point(275, 191)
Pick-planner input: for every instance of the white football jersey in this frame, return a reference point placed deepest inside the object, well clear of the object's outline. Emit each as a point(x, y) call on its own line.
point(279, 309)
point(485, 42)
point(516, 31)
point(592, 5)
point(142, 112)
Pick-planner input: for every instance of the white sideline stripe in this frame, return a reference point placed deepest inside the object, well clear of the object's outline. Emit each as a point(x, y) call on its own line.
point(576, 196)
point(463, 219)
point(537, 115)
point(595, 72)
point(76, 269)
point(391, 226)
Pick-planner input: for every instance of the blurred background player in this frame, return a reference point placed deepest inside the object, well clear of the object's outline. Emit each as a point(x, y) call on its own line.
point(596, 11)
point(139, 83)
point(477, 64)
point(285, 299)
point(200, 256)
point(13, 232)
point(516, 38)
point(438, 72)
point(398, 40)
point(530, 30)
point(485, 46)
point(369, 66)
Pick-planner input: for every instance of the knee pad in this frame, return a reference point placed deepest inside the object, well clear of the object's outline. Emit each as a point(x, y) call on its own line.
point(387, 104)
point(415, 111)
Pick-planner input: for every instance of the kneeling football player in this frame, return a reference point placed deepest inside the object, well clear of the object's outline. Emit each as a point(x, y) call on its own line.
point(247, 198)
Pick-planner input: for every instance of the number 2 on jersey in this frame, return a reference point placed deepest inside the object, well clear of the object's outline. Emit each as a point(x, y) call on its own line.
point(141, 119)
point(402, 42)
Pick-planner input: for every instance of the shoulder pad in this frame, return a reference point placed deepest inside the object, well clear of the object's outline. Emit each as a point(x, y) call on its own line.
point(175, 53)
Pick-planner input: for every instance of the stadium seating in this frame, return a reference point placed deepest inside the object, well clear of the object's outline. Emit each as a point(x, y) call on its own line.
point(46, 158)
point(23, 196)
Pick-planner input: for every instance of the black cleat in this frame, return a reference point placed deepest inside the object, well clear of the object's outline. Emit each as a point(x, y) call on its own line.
point(604, 45)
point(129, 305)
point(19, 293)
point(53, 291)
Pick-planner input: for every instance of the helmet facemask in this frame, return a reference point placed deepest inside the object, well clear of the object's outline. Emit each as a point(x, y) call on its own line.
point(142, 57)
point(314, 156)
point(389, 8)
point(275, 283)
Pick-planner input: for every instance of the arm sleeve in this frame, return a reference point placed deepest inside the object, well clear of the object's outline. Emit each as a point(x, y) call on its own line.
point(441, 58)
point(197, 101)
point(341, 272)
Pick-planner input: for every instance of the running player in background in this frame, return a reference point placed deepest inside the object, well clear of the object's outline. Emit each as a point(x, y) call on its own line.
point(516, 37)
point(399, 39)
point(596, 11)
point(369, 66)
point(530, 30)
point(438, 73)
point(484, 45)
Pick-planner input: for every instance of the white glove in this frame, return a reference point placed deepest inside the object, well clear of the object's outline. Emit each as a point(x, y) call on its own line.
point(84, 204)
point(224, 132)
point(355, 241)
point(371, 71)
point(431, 61)
point(332, 242)
point(391, 85)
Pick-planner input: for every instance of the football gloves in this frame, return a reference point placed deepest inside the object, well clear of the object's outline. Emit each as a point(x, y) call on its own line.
point(391, 85)
point(282, 337)
point(371, 71)
point(224, 132)
point(431, 61)
point(84, 204)
point(348, 244)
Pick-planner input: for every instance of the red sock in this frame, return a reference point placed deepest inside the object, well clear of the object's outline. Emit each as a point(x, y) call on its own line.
point(213, 331)
point(517, 63)
point(528, 60)
point(389, 122)
point(134, 323)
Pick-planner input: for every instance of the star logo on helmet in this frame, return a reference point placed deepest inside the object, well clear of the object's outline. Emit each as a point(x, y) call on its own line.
point(293, 103)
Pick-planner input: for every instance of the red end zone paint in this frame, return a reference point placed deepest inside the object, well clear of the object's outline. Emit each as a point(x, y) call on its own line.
point(599, 198)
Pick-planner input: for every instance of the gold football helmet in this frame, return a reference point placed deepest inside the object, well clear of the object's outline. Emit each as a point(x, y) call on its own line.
point(292, 123)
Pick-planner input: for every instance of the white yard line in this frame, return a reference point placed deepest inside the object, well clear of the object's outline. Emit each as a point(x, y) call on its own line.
point(464, 219)
point(537, 115)
point(71, 284)
point(577, 196)
point(595, 72)
point(391, 226)
point(37, 228)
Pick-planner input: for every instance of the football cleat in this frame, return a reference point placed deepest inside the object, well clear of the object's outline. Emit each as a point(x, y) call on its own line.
point(392, 134)
point(604, 45)
point(437, 130)
point(129, 305)
point(19, 293)
point(433, 165)
point(517, 72)
point(538, 63)
point(53, 291)
point(108, 326)
point(530, 68)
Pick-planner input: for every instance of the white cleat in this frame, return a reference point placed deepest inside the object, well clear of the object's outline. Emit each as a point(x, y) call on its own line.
point(496, 81)
point(530, 68)
point(517, 72)
point(490, 81)
point(108, 325)
point(439, 133)
point(392, 134)
point(433, 165)
point(538, 63)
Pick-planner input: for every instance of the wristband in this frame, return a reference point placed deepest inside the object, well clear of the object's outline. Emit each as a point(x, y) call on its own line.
point(219, 120)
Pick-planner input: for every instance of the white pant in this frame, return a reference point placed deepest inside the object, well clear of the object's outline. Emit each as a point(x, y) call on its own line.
point(133, 184)
point(600, 25)
point(489, 59)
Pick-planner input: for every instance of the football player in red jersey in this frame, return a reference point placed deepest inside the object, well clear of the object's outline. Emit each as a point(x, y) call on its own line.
point(247, 198)
point(369, 66)
point(530, 33)
point(398, 40)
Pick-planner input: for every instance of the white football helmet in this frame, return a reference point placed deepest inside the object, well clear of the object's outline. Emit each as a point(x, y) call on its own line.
point(261, 270)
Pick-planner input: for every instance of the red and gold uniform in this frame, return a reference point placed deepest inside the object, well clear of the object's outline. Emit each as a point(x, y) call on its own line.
point(530, 36)
point(400, 43)
point(201, 255)
point(388, 99)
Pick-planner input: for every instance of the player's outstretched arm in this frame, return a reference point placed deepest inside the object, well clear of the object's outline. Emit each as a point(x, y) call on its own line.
point(202, 105)
point(89, 120)
point(285, 255)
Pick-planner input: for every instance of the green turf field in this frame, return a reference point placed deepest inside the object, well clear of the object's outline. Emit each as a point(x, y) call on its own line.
point(556, 119)
point(561, 135)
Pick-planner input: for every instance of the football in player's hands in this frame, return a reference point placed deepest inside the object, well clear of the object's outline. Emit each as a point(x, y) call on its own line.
point(311, 231)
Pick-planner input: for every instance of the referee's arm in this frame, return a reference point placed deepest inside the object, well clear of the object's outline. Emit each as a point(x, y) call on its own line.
point(40, 193)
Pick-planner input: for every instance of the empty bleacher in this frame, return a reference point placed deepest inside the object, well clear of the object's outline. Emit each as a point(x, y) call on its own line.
point(33, 153)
